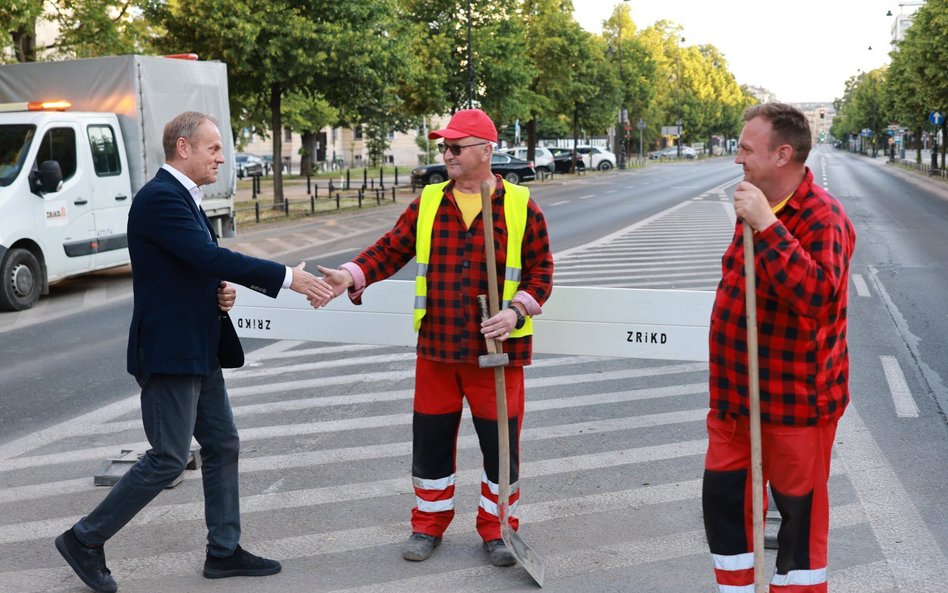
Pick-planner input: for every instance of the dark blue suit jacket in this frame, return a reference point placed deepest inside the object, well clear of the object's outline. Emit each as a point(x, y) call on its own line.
point(176, 269)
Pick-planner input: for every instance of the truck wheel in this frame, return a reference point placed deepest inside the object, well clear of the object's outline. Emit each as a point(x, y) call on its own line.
point(22, 280)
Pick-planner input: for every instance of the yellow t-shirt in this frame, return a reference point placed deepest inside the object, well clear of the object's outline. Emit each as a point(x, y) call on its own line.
point(470, 206)
point(779, 207)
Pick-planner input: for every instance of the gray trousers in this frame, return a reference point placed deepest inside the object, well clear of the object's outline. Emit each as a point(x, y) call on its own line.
point(175, 407)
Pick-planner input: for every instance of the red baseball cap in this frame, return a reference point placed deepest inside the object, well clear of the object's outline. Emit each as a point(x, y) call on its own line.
point(467, 122)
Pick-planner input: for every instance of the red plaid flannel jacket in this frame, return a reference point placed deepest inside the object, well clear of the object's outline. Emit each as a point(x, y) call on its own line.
point(802, 266)
point(450, 330)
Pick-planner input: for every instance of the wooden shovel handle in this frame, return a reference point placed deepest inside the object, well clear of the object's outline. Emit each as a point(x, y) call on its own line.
point(753, 383)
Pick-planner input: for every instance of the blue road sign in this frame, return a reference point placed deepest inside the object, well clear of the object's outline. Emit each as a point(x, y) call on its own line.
point(936, 118)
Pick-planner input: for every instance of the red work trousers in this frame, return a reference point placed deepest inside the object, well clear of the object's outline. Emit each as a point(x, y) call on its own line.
point(440, 389)
point(796, 463)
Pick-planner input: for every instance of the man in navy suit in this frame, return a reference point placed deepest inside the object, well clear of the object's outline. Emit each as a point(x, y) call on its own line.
point(174, 353)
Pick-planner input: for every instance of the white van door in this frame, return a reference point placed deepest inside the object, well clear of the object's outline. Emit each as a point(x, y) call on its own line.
point(111, 192)
point(65, 225)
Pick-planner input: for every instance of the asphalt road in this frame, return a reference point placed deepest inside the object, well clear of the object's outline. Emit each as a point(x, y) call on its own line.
point(612, 447)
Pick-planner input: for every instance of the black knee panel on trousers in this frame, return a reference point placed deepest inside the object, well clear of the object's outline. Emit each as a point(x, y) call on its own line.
point(434, 442)
point(487, 435)
point(793, 539)
point(722, 500)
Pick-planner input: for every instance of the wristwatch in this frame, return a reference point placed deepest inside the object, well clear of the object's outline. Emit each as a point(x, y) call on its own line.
point(520, 318)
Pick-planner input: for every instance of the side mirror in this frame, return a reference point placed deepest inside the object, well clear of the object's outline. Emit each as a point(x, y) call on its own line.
point(48, 179)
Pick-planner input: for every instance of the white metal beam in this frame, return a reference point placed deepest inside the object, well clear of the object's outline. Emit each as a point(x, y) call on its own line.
point(617, 322)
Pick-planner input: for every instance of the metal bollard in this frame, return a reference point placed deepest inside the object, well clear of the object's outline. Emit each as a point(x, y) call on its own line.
point(286, 207)
point(378, 196)
point(312, 204)
point(256, 207)
point(360, 198)
point(396, 175)
point(309, 188)
point(337, 200)
point(393, 194)
point(382, 177)
point(365, 177)
point(347, 178)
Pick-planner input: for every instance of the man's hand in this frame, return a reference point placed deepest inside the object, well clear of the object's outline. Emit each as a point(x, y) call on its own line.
point(499, 326)
point(751, 206)
point(316, 290)
point(339, 280)
point(226, 296)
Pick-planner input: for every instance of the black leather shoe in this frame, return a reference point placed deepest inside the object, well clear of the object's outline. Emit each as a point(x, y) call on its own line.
point(88, 563)
point(498, 553)
point(241, 564)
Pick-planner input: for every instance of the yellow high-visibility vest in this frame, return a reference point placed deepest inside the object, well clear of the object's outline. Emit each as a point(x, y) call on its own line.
point(515, 215)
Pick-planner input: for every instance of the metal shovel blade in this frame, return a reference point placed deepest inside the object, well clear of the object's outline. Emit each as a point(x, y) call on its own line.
point(524, 554)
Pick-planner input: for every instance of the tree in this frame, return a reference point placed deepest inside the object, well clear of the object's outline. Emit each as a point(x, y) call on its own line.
point(86, 28)
point(924, 62)
point(500, 68)
point(636, 70)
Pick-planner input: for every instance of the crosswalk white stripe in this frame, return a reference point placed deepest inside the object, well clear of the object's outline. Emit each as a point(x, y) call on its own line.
point(57, 488)
point(129, 404)
point(269, 371)
point(637, 267)
point(534, 469)
point(359, 423)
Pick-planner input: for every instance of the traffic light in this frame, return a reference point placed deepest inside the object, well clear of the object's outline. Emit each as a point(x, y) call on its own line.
point(822, 114)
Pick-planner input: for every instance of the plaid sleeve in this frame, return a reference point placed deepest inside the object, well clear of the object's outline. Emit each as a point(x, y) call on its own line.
point(807, 270)
point(393, 250)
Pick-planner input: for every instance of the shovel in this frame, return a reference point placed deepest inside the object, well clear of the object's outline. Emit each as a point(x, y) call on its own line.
point(753, 382)
point(497, 359)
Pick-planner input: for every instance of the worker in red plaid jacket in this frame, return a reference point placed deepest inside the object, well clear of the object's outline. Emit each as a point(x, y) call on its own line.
point(803, 243)
point(443, 230)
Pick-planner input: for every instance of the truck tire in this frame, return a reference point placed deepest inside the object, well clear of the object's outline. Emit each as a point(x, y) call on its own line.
point(22, 280)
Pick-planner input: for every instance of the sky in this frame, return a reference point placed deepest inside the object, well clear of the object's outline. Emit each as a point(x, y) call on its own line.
point(800, 50)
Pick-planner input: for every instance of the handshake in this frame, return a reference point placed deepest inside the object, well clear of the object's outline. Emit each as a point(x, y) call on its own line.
point(318, 291)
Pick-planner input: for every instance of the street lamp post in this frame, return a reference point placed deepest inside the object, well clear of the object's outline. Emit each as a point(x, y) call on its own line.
point(678, 97)
point(470, 61)
point(620, 129)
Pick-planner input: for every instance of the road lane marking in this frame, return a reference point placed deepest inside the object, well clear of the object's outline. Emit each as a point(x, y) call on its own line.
point(905, 406)
point(862, 289)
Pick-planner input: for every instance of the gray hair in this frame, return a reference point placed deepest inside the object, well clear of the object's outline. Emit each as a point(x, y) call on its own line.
point(182, 126)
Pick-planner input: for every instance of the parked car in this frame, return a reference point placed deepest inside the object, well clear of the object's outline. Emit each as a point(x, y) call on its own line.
point(599, 158)
point(671, 152)
point(542, 158)
point(563, 160)
point(512, 169)
point(248, 165)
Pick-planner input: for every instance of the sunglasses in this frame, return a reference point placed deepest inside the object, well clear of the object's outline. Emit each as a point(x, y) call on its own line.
point(457, 148)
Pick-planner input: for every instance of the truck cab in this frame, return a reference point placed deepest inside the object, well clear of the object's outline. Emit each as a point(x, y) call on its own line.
point(64, 193)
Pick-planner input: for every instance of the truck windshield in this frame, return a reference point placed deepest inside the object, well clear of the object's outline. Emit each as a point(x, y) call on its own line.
point(14, 144)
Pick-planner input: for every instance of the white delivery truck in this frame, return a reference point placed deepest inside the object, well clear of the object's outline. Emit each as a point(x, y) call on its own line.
point(78, 139)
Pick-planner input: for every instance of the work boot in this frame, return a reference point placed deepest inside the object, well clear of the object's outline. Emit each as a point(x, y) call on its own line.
point(239, 564)
point(87, 562)
point(498, 553)
point(419, 546)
